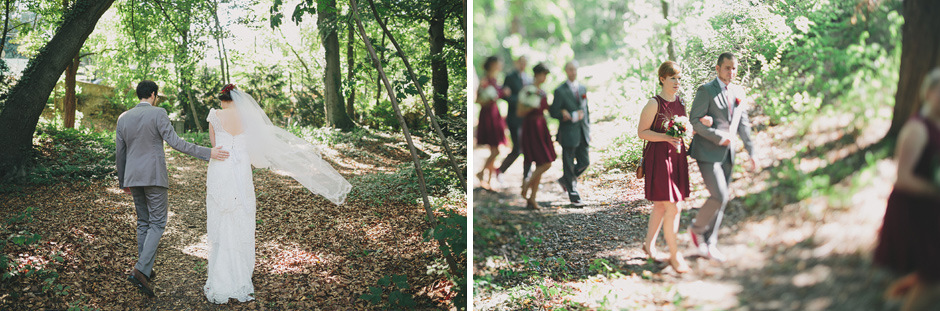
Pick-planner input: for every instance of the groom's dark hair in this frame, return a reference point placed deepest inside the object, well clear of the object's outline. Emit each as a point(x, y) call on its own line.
point(724, 56)
point(145, 88)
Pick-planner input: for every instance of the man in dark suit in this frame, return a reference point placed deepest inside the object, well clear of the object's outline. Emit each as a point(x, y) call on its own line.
point(515, 81)
point(570, 107)
point(712, 149)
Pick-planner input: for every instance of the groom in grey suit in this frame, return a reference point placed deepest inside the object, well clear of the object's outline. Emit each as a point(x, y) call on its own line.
point(141, 168)
point(570, 107)
point(711, 148)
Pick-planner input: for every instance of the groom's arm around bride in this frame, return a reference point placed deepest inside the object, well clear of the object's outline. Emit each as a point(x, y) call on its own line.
point(141, 168)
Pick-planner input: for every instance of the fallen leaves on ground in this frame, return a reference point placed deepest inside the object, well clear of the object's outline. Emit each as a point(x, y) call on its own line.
point(310, 253)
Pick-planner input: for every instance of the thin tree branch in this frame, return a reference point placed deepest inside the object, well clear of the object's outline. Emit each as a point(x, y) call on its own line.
point(451, 262)
point(424, 99)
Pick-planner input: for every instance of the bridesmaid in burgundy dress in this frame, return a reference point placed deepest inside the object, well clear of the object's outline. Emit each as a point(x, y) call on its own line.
point(666, 165)
point(907, 243)
point(491, 129)
point(537, 143)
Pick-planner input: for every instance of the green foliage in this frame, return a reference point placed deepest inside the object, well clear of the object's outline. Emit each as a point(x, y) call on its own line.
point(268, 86)
point(451, 234)
point(623, 153)
point(401, 185)
point(64, 154)
point(800, 56)
point(601, 266)
point(23, 239)
point(389, 295)
point(199, 138)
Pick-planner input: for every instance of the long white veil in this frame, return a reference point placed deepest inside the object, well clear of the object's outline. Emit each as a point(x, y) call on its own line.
point(272, 147)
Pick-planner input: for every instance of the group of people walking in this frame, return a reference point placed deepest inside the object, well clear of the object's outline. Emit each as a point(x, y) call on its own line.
point(906, 242)
point(528, 127)
point(712, 116)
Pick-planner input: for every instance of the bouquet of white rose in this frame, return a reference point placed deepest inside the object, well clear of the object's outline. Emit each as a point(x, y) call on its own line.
point(488, 94)
point(530, 97)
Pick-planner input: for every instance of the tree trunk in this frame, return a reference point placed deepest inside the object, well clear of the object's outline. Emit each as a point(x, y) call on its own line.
point(438, 63)
point(671, 48)
point(451, 262)
point(26, 100)
point(69, 105)
point(219, 41)
point(6, 25)
point(427, 107)
point(333, 105)
point(463, 20)
point(920, 52)
point(378, 79)
point(192, 105)
point(350, 63)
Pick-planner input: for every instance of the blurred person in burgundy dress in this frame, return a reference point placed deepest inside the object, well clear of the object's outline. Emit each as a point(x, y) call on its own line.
point(537, 145)
point(491, 127)
point(908, 241)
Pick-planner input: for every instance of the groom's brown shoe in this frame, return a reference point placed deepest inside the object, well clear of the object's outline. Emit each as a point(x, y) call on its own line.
point(153, 274)
point(142, 282)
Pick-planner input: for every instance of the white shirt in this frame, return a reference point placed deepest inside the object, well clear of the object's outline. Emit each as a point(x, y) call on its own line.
point(726, 92)
point(573, 85)
point(526, 80)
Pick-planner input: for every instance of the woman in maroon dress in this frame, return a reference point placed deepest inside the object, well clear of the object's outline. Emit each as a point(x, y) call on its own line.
point(491, 129)
point(666, 165)
point(908, 243)
point(537, 143)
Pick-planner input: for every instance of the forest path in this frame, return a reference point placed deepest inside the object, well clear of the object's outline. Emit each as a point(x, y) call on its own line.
point(310, 253)
point(783, 253)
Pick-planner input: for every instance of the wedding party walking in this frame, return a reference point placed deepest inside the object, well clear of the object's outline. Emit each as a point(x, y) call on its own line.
point(708, 156)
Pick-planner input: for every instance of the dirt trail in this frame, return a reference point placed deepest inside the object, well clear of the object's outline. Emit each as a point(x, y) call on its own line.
point(310, 254)
point(803, 256)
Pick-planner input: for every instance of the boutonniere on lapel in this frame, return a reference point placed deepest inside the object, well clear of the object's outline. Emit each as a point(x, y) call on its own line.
point(737, 102)
point(584, 96)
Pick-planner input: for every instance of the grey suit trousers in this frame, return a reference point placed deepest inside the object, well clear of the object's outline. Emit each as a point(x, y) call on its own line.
point(717, 176)
point(151, 204)
point(571, 170)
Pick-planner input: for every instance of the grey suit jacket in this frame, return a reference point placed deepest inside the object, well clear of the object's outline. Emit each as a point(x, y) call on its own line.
point(708, 102)
point(569, 133)
point(141, 132)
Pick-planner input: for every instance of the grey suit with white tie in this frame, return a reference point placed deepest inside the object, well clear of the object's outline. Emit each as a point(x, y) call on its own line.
point(715, 161)
point(141, 166)
point(574, 137)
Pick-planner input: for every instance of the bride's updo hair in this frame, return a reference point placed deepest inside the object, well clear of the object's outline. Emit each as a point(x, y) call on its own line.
point(226, 93)
point(668, 69)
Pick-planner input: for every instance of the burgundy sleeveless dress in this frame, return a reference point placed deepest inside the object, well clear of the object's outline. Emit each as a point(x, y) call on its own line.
point(666, 169)
point(908, 241)
point(537, 143)
point(491, 129)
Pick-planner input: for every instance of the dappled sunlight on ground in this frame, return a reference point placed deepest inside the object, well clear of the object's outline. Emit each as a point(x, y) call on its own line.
point(289, 259)
point(806, 253)
point(310, 253)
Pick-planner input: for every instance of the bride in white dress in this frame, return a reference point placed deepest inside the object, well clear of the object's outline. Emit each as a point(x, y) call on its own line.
point(242, 129)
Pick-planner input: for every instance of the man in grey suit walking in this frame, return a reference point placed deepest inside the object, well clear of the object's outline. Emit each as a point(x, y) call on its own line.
point(141, 168)
point(570, 107)
point(712, 149)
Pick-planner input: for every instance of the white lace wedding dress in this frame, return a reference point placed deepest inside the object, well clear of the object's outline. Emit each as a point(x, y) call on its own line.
point(230, 209)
